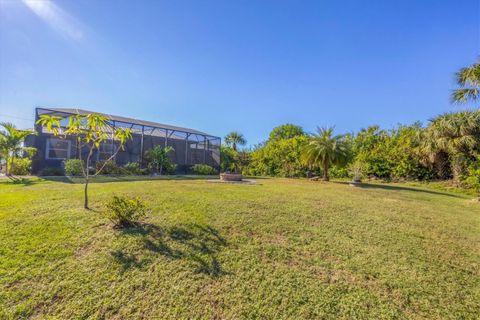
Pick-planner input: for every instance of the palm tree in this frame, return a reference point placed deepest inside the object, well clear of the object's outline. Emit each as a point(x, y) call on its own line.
point(235, 138)
point(11, 144)
point(455, 134)
point(469, 81)
point(158, 157)
point(325, 149)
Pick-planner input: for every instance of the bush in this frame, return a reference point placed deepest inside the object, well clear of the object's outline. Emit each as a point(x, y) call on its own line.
point(73, 167)
point(203, 169)
point(110, 167)
point(20, 166)
point(52, 171)
point(133, 168)
point(126, 211)
point(170, 168)
point(472, 179)
point(338, 172)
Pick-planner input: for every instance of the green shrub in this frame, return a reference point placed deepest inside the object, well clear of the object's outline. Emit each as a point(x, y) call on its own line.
point(338, 172)
point(52, 171)
point(132, 168)
point(203, 169)
point(20, 166)
point(472, 179)
point(109, 168)
point(170, 168)
point(73, 167)
point(124, 211)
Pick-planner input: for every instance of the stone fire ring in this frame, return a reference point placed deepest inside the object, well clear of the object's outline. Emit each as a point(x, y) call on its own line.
point(230, 177)
point(234, 178)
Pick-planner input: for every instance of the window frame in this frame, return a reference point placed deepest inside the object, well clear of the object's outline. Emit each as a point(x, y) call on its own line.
point(47, 149)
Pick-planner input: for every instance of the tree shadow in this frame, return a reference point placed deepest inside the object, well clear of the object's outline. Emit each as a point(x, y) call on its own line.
point(127, 260)
point(19, 181)
point(126, 178)
point(196, 244)
point(399, 188)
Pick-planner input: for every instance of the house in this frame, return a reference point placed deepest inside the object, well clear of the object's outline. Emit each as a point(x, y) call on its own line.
point(190, 146)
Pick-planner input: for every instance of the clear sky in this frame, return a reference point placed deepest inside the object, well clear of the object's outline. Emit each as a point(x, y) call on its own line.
point(219, 66)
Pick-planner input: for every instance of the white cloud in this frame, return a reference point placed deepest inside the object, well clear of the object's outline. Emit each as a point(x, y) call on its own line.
point(56, 18)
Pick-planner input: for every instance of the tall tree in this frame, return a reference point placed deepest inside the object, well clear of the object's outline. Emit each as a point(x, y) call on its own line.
point(286, 131)
point(11, 144)
point(325, 149)
point(90, 131)
point(158, 157)
point(235, 139)
point(468, 80)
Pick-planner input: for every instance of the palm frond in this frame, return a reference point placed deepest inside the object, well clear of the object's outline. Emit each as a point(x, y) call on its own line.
point(464, 95)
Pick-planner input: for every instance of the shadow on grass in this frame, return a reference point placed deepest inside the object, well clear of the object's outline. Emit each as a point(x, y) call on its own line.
point(12, 180)
point(198, 245)
point(399, 188)
point(124, 178)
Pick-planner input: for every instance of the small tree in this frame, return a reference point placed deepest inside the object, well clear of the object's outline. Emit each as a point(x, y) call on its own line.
point(357, 169)
point(11, 144)
point(158, 157)
point(91, 131)
point(325, 149)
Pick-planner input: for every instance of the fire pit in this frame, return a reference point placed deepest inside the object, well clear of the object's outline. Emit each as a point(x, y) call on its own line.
point(230, 177)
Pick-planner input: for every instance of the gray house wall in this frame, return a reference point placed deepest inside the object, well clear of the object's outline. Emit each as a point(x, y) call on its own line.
point(189, 148)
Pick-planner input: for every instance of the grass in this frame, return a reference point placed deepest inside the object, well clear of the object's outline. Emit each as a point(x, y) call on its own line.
point(281, 249)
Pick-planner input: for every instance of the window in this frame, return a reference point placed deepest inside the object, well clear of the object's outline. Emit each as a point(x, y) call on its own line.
point(58, 149)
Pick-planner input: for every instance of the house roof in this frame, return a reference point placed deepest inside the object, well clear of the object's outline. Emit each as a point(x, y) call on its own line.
point(125, 120)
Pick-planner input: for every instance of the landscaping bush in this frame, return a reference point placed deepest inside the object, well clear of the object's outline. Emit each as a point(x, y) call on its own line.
point(472, 179)
point(203, 169)
point(109, 168)
point(133, 168)
point(170, 168)
point(73, 167)
point(20, 166)
point(126, 211)
point(338, 172)
point(52, 171)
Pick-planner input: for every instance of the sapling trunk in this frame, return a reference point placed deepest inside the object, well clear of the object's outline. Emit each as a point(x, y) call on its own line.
point(85, 204)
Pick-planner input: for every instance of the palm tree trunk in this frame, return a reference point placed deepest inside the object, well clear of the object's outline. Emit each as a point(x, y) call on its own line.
point(7, 166)
point(325, 171)
point(457, 168)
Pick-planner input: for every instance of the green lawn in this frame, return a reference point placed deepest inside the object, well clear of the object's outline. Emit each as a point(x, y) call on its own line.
point(281, 249)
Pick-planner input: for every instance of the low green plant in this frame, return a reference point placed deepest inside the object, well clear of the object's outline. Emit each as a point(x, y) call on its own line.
point(357, 170)
point(472, 180)
point(125, 211)
point(20, 166)
point(73, 167)
point(170, 168)
point(109, 167)
point(337, 172)
point(203, 169)
point(132, 168)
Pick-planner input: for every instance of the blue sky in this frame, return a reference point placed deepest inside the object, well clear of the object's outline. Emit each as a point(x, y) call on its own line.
point(218, 66)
